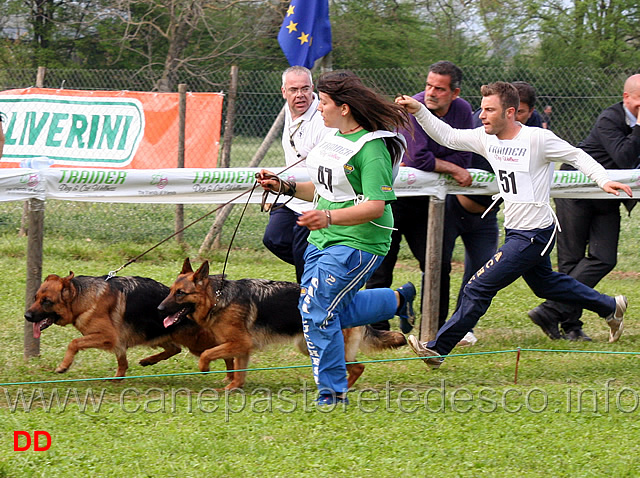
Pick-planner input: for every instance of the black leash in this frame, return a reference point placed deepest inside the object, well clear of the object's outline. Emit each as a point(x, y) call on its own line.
point(131, 261)
point(249, 191)
point(226, 259)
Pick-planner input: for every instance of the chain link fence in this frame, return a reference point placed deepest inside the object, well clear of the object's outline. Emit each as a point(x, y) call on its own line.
point(576, 95)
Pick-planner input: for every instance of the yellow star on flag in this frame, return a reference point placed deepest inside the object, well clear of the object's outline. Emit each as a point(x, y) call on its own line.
point(304, 38)
point(305, 31)
point(292, 26)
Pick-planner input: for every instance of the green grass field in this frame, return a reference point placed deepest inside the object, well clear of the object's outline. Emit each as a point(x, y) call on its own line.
point(572, 412)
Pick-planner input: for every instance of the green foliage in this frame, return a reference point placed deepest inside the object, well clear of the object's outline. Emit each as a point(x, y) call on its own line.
point(589, 33)
point(90, 51)
point(204, 37)
point(372, 34)
point(389, 34)
point(14, 54)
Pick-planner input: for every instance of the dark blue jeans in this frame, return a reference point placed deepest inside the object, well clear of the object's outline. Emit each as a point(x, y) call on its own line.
point(519, 256)
point(286, 239)
point(480, 238)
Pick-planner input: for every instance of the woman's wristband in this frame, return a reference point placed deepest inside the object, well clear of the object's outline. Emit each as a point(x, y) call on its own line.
point(289, 188)
point(328, 214)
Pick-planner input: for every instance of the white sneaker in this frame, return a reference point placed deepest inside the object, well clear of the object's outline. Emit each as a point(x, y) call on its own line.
point(430, 357)
point(614, 321)
point(468, 339)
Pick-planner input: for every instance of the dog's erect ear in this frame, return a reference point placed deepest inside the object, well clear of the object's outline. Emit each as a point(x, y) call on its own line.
point(203, 272)
point(68, 291)
point(70, 276)
point(186, 267)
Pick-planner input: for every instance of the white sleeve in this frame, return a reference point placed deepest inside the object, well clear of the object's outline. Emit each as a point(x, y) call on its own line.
point(452, 138)
point(557, 149)
point(593, 169)
point(314, 132)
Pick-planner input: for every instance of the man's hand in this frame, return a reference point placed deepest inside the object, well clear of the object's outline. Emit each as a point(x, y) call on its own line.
point(613, 187)
point(462, 177)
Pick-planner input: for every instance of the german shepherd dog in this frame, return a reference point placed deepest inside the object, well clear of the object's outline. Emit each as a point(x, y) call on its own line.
point(113, 315)
point(247, 314)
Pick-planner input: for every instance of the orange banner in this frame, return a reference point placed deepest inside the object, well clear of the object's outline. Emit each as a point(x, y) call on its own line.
point(117, 129)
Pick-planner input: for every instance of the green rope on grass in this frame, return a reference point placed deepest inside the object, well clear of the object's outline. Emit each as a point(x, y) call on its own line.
point(609, 352)
point(183, 374)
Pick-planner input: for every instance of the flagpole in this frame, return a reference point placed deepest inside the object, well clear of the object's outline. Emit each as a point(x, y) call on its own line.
point(323, 64)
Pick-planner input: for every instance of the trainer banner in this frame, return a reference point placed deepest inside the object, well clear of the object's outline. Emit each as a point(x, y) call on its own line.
point(116, 129)
point(201, 186)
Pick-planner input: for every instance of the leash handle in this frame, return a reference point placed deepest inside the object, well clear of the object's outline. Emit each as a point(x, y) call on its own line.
point(286, 188)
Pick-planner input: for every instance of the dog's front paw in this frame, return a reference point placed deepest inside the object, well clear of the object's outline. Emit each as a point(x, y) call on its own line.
point(233, 386)
point(146, 361)
point(61, 369)
point(203, 365)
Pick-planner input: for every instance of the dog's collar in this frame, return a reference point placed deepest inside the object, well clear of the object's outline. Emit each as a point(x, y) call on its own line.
point(218, 294)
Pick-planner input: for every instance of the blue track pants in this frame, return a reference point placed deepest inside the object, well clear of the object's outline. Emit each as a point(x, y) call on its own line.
point(331, 300)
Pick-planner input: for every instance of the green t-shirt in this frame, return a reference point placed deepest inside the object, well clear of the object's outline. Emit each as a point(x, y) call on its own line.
point(369, 172)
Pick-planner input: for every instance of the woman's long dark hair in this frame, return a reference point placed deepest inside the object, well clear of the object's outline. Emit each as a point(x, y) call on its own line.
point(370, 109)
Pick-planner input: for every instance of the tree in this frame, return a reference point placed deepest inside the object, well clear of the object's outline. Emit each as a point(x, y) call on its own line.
point(190, 36)
point(396, 33)
point(600, 33)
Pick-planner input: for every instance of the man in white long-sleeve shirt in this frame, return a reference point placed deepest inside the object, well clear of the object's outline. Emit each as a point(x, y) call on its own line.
point(303, 129)
point(523, 161)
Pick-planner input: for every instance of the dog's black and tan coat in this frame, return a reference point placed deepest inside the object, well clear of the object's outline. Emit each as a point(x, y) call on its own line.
point(112, 315)
point(247, 314)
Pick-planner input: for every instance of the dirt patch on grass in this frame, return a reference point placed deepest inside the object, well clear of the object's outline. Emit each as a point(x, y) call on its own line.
point(625, 274)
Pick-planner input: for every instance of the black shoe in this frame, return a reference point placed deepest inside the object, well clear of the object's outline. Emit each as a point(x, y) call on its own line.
point(331, 400)
point(405, 312)
point(382, 325)
point(548, 326)
point(577, 335)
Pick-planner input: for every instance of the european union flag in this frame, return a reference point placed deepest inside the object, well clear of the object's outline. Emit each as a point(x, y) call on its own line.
point(305, 34)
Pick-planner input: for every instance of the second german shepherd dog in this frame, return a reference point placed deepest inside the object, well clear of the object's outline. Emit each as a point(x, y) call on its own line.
point(113, 315)
point(247, 314)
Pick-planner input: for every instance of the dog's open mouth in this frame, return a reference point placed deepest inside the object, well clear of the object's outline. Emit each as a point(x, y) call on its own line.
point(38, 327)
point(177, 317)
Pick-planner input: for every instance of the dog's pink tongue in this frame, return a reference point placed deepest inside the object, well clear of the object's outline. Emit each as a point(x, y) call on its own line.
point(170, 320)
point(36, 330)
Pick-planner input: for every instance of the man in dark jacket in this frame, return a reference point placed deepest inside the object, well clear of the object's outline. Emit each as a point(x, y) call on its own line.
point(527, 114)
point(588, 243)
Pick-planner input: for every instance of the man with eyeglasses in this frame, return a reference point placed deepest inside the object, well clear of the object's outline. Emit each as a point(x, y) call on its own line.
point(303, 129)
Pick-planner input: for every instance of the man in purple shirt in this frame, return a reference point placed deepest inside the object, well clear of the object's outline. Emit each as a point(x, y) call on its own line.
point(411, 213)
